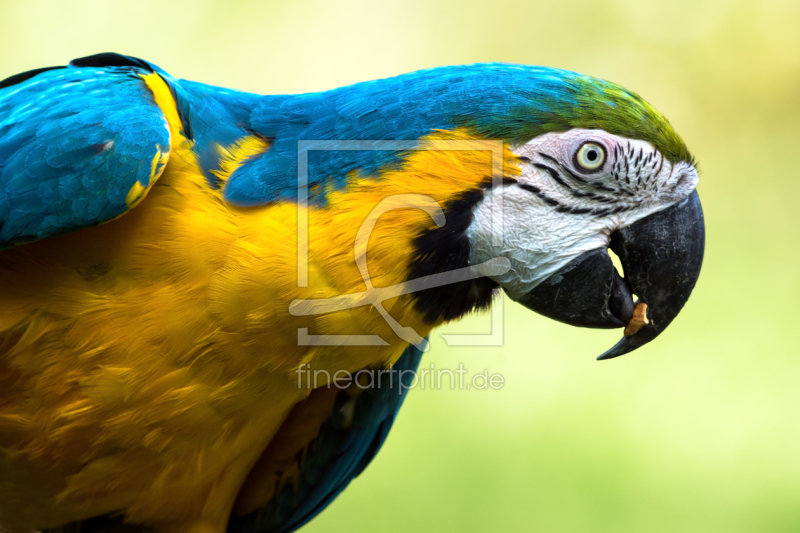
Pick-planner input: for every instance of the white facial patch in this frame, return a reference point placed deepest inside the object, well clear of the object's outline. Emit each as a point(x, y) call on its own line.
point(576, 188)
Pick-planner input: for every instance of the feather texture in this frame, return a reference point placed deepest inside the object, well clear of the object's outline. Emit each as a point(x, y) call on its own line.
point(78, 147)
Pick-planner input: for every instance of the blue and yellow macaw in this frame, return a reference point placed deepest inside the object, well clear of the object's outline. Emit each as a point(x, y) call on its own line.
point(178, 260)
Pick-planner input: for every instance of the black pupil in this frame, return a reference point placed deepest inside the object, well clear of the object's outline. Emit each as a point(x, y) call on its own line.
point(591, 155)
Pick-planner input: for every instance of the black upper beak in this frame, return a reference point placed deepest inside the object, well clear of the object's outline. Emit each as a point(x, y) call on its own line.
point(661, 256)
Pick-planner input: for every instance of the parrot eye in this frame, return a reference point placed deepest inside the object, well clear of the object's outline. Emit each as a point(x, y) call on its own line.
point(590, 156)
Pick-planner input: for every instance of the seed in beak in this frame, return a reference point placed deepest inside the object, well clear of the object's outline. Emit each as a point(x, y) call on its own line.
point(638, 320)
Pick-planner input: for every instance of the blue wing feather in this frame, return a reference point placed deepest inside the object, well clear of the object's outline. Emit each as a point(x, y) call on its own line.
point(73, 142)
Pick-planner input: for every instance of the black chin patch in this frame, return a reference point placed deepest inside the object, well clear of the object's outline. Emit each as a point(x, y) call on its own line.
point(447, 248)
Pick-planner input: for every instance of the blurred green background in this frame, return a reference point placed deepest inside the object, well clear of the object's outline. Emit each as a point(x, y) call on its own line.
point(699, 431)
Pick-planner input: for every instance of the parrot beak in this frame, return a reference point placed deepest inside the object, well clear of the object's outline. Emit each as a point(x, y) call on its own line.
point(661, 256)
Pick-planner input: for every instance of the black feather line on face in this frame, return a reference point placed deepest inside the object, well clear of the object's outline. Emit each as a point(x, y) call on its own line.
point(448, 248)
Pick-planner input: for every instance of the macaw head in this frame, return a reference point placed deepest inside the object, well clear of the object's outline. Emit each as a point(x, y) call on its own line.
point(600, 168)
point(580, 192)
